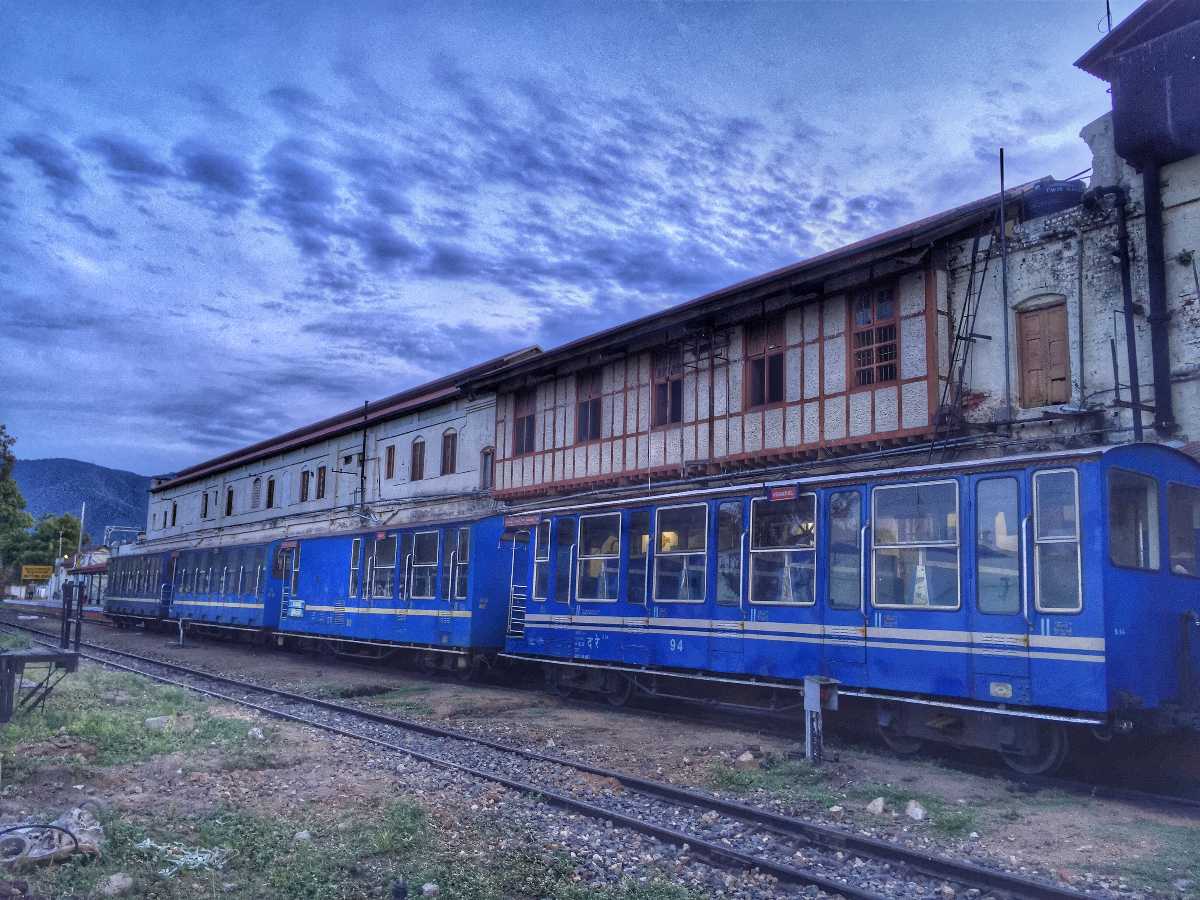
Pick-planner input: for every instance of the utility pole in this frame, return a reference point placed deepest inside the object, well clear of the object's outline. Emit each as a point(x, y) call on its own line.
point(60, 537)
point(79, 547)
point(1008, 402)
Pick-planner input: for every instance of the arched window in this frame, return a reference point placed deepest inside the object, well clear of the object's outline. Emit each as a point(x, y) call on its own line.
point(229, 501)
point(256, 493)
point(449, 451)
point(270, 492)
point(487, 468)
point(416, 470)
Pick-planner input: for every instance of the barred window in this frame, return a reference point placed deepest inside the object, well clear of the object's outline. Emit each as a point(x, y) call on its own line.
point(524, 422)
point(765, 363)
point(667, 405)
point(589, 386)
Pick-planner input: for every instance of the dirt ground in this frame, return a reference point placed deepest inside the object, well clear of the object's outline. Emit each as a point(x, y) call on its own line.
point(1081, 840)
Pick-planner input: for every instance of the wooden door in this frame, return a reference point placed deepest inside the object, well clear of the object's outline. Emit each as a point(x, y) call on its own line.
point(1043, 356)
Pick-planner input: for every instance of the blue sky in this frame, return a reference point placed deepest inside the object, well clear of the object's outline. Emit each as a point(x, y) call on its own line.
point(219, 221)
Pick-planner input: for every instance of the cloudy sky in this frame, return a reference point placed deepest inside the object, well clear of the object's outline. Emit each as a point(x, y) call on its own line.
point(221, 220)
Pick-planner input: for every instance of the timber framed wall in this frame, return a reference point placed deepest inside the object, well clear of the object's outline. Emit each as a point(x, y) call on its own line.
point(821, 408)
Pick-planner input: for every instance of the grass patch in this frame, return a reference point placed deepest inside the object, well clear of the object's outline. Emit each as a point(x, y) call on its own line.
point(792, 779)
point(339, 863)
point(1174, 857)
point(97, 716)
point(951, 820)
point(11, 640)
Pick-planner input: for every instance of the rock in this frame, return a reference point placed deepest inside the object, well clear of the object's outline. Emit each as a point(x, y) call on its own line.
point(1183, 885)
point(429, 889)
point(915, 811)
point(302, 837)
point(228, 887)
point(836, 810)
point(746, 761)
point(875, 807)
point(974, 836)
point(256, 733)
point(947, 892)
point(158, 723)
point(116, 885)
point(17, 888)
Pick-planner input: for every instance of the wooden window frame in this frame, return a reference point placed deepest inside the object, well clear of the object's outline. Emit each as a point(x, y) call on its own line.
point(389, 462)
point(270, 493)
point(524, 422)
point(204, 505)
point(487, 468)
point(321, 482)
point(449, 451)
point(416, 466)
point(589, 405)
point(229, 501)
point(887, 342)
point(305, 477)
point(765, 351)
point(666, 389)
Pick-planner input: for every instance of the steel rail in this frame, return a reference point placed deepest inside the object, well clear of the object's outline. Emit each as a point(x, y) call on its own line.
point(926, 864)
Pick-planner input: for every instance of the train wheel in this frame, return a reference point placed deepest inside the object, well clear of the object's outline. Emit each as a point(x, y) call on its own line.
point(619, 693)
point(556, 684)
point(1053, 746)
point(467, 673)
point(888, 719)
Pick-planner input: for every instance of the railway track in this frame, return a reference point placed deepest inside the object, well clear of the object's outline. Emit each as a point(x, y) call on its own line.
point(724, 832)
point(784, 727)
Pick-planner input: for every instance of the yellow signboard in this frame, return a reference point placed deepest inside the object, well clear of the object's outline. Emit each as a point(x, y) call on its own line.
point(36, 573)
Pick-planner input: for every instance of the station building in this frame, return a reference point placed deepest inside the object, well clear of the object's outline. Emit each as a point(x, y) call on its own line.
point(1061, 314)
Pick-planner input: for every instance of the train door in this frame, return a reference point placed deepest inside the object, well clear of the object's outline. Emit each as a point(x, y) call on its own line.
point(729, 609)
point(998, 607)
point(784, 632)
point(557, 618)
point(287, 567)
point(635, 643)
point(844, 610)
point(518, 577)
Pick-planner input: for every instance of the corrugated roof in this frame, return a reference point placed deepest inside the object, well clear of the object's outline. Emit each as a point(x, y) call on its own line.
point(428, 394)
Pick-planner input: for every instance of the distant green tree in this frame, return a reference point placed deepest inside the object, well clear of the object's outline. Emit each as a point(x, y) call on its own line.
point(15, 522)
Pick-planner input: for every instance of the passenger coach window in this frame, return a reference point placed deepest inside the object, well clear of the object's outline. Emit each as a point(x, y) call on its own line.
point(916, 545)
point(1132, 520)
point(462, 561)
point(845, 550)
point(783, 537)
point(564, 543)
point(425, 565)
point(997, 546)
point(1183, 529)
point(639, 552)
point(681, 554)
point(1056, 542)
point(599, 557)
point(729, 553)
point(383, 568)
point(541, 561)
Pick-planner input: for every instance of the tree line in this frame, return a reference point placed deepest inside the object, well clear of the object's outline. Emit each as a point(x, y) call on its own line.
point(24, 541)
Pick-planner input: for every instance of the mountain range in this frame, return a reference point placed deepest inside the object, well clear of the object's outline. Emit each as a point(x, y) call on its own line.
point(57, 486)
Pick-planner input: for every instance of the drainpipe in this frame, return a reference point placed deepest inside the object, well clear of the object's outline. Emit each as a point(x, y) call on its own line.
point(1156, 278)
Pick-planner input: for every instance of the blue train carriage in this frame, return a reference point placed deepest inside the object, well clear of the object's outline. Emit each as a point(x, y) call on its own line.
point(1000, 604)
point(227, 588)
point(138, 589)
point(433, 589)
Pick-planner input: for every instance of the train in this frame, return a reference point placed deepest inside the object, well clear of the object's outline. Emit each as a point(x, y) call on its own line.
point(1010, 603)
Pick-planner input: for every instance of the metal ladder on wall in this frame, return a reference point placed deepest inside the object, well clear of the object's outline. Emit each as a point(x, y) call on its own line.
point(964, 337)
